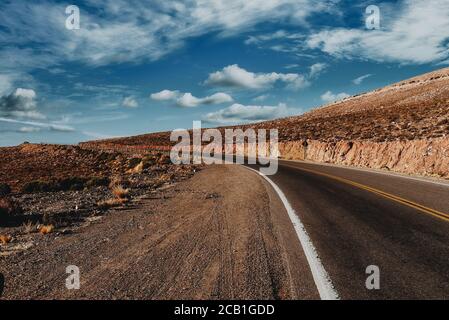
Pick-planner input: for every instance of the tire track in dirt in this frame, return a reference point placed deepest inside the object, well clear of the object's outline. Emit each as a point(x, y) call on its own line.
point(223, 234)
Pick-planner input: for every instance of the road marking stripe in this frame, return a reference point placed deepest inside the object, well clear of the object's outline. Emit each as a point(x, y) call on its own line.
point(320, 276)
point(409, 203)
point(423, 179)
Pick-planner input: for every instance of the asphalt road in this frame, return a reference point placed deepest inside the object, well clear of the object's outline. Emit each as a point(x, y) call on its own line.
point(357, 218)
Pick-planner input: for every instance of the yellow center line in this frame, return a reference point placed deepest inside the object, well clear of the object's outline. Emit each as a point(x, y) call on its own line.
point(417, 206)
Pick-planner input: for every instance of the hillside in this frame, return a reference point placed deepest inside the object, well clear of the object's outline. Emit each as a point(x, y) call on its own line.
point(402, 127)
point(412, 109)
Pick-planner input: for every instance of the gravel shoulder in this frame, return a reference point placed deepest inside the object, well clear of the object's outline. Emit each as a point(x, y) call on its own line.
point(222, 234)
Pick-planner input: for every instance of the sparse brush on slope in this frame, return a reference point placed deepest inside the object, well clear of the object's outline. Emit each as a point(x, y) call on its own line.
point(5, 239)
point(120, 192)
point(28, 227)
point(46, 229)
point(111, 203)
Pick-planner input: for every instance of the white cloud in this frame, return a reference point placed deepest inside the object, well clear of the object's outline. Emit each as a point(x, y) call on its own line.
point(234, 76)
point(29, 129)
point(277, 35)
point(417, 32)
point(316, 69)
point(331, 97)
point(238, 113)
point(165, 95)
point(291, 66)
point(187, 100)
point(133, 30)
point(130, 102)
point(20, 104)
point(6, 83)
point(262, 97)
point(49, 126)
point(360, 79)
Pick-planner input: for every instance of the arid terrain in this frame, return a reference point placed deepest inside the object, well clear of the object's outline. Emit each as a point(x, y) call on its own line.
point(198, 239)
point(403, 127)
point(140, 227)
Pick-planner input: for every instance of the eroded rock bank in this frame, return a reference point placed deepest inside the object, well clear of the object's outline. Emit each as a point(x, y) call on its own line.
point(427, 157)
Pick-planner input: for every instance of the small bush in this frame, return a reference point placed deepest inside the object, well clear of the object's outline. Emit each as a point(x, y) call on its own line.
point(118, 181)
point(5, 189)
point(120, 192)
point(133, 162)
point(46, 229)
point(28, 227)
point(111, 203)
point(5, 239)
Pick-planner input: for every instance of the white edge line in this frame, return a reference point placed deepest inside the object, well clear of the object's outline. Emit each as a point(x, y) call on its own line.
point(320, 276)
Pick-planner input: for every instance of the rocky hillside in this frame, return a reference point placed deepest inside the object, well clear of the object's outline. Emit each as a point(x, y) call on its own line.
point(403, 127)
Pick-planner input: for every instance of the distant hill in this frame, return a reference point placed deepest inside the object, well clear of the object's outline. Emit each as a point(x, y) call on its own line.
point(412, 109)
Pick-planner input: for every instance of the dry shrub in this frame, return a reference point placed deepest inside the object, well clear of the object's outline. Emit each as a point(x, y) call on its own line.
point(137, 169)
point(120, 193)
point(28, 227)
point(118, 181)
point(5, 239)
point(111, 203)
point(46, 229)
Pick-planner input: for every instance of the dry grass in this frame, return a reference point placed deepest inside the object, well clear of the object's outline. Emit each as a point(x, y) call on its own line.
point(137, 169)
point(46, 229)
point(120, 192)
point(29, 227)
point(118, 181)
point(111, 203)
point(5, 239)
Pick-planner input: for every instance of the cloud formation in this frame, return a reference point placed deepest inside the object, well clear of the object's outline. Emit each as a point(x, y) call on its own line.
point(238, 113)
point(417, 32)
point(130, 102)
point(187, 100)
point(236, 77)
point(359, 80)
point(38, 124)
point(133, 30)
point(165, 95)
point(331, 97)
point(317, 69)
point(20, 104)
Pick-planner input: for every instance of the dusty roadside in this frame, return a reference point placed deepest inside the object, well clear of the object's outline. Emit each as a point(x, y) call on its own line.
point(223, 234)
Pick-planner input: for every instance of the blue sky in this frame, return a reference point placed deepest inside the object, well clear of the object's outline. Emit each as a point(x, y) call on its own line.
point(144, 66)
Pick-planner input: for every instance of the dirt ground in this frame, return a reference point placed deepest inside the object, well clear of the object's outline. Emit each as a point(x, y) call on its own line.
point(209, 237)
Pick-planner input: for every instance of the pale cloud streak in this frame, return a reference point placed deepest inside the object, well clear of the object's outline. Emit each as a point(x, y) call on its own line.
point(236, 77)
point(359, 80)
point(329, 96)
point(238, 113)
point(187, 100)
